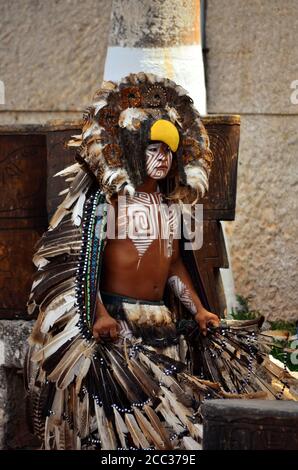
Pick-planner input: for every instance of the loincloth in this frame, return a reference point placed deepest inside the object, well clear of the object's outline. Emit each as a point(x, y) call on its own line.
point(150, 320)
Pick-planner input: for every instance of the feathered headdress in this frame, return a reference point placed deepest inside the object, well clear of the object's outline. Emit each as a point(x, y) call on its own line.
point(122, 120)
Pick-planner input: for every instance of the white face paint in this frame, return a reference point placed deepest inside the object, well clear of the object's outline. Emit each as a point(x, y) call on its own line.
point(158, 160)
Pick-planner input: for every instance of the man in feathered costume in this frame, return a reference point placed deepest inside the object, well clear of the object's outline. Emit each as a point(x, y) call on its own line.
point(125, 349)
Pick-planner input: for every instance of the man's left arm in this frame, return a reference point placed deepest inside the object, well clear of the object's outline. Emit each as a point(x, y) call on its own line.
point(180, 282)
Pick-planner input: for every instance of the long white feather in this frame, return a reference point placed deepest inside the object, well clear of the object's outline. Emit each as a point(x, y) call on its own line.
point(47, 433)
point(136, 434)
point(77, 212)
point(121, 428)
point(69, 332)
point(196, 177)
point(105, 430)
point(57, 406)
point(63, 192)
point(82, 374)
point(73, 370)
point(40, 262)
point(159, 374)
point(36, 282)
point(170, 418)
point(56, 309)
point(181, 411)
point(72, 364)
point(69, 170)
point(191, 444)
point(148, 429)
point(99, 105)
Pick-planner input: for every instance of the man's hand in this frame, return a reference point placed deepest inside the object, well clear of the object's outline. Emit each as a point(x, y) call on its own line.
point(203, 318)
point(105, 328)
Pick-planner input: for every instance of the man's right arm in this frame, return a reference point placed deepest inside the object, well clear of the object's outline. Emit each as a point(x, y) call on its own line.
point(105, 326)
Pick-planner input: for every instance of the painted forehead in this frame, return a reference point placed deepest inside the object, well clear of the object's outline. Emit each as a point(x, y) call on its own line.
point(157, 145)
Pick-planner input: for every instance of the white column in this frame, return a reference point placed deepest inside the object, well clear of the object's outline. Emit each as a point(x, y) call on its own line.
point(161, 37)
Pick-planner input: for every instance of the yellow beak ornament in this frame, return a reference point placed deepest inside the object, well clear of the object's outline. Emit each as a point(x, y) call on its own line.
point(165, 131)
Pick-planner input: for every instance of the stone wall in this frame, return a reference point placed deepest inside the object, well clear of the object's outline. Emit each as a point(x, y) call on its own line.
point(14, 431)
point(251, 62)
point(52, 56)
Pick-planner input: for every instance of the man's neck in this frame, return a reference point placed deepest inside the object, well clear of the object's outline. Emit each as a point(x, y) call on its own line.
point(149, 186)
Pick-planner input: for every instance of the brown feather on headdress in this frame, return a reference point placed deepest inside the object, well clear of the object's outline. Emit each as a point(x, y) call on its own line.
point(116, 132)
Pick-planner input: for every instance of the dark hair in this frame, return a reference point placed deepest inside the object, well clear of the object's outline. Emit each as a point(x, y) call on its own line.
point(134, 144)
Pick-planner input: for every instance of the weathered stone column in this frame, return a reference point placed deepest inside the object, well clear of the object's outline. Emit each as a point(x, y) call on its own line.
point(161, 37)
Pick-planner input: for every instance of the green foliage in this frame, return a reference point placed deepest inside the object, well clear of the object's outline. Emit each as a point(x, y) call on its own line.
point(279, 354)
point(284, 325)
point(243, 312)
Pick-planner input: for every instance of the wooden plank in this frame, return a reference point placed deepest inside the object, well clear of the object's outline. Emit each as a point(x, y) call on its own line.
point(209, 259)
point(22, 176)
point(250, 425)
point(23, 216)
point(16, 270)
point(224, 134)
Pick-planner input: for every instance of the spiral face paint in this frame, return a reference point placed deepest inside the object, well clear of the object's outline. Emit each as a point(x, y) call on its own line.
point(158, 160)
